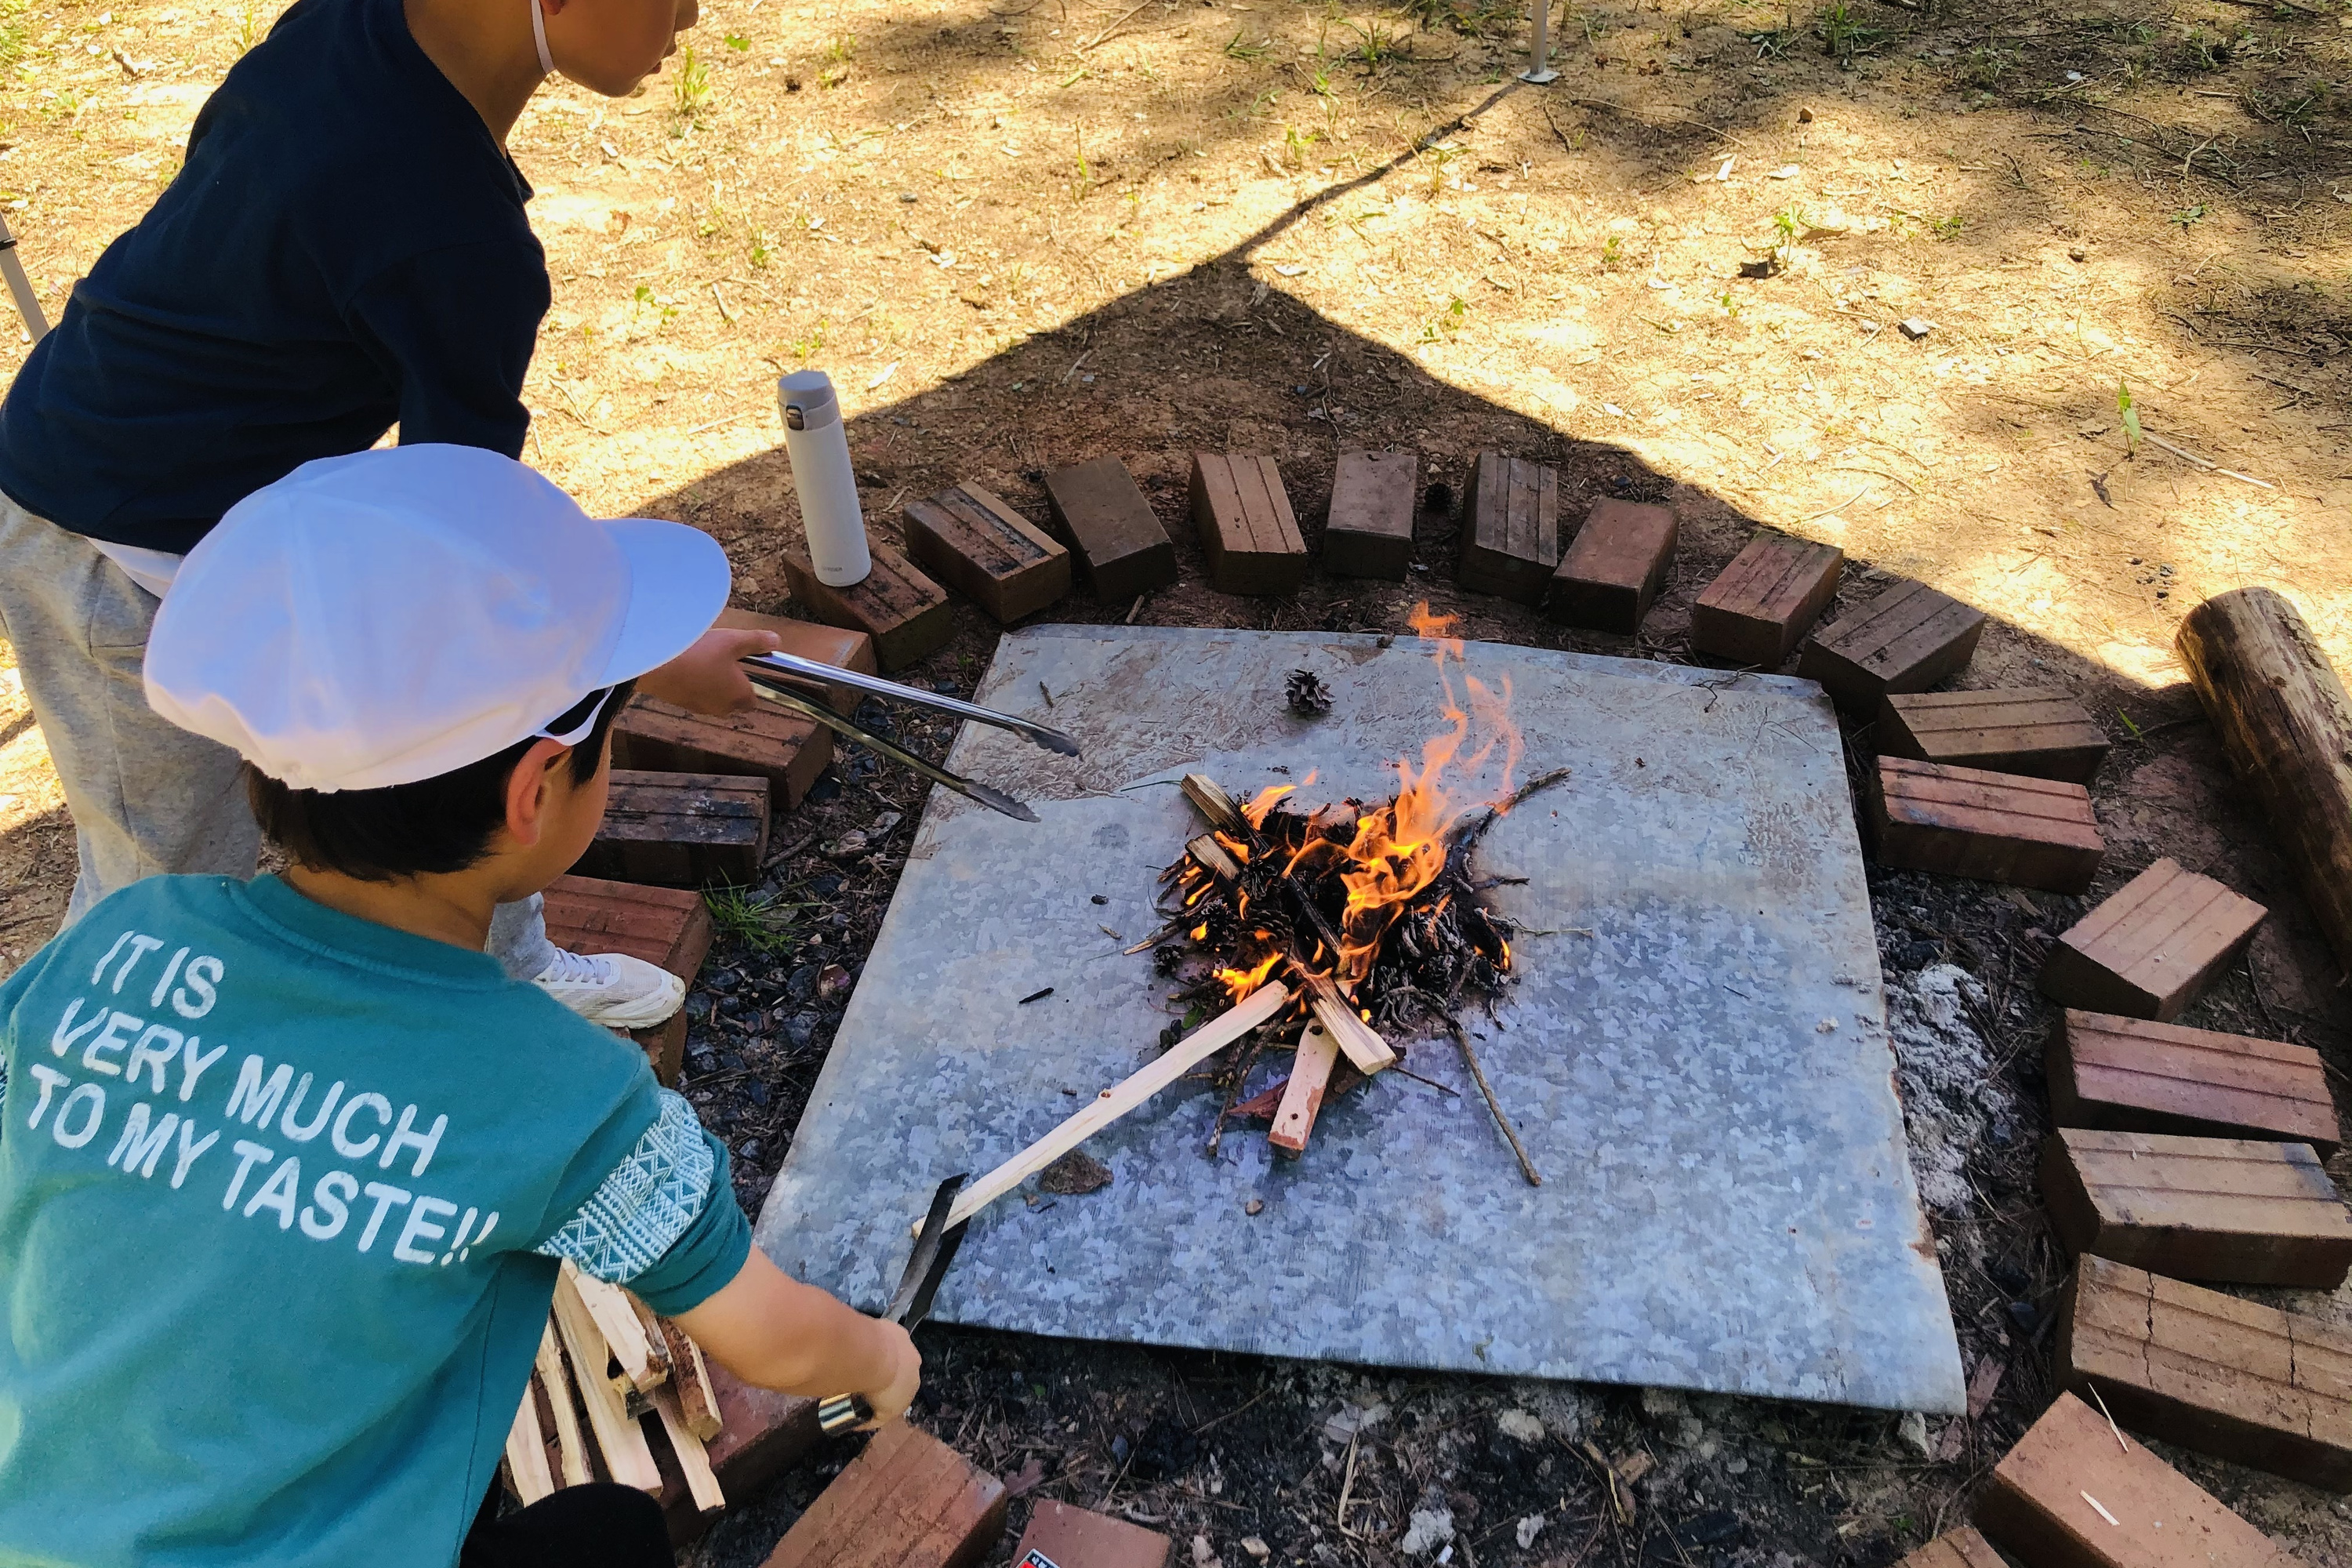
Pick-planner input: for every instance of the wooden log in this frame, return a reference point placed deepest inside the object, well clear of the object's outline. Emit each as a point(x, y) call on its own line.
point(624, 1335)
point(2070, 1495)
point(2209, 1372)
point(693, 1462)
point(1760, 605)
point(2038, 733)
point(1115, 1102)
point(1368, 533)
point(527, 1471)
point(690, 1375)
point(1957, 1548)
point(2238, 1210)
point(904, 612)
point(1302, 1095)
point(1510, 528)
point(2286, 726)
point(1996, 827)
point(2152, 947)
point(1906, 639)
point(909, 1500)
point(685, 830)
point(1245, 524)
point(1114, 537)
point(571, 1447)
point(620, 1440)
point(660, 737)
point(664, 926)
point(1609, 577)
point(974, 542)
point(1062, 1536)
point(2128, 1075)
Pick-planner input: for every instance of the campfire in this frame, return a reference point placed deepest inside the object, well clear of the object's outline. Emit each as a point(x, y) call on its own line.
point(1372, 912)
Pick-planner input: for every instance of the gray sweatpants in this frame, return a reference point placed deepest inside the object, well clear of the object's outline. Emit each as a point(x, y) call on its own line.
point(146, 796)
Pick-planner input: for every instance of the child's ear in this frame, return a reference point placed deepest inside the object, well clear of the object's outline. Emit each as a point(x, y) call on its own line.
point(532, 788)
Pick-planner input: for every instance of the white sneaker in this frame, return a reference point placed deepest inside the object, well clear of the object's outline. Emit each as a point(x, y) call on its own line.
point(613, 989)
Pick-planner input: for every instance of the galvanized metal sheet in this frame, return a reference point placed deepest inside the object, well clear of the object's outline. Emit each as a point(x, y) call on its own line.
point(1697, 1060)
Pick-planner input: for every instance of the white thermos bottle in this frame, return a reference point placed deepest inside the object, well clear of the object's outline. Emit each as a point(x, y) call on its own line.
point(819, 450)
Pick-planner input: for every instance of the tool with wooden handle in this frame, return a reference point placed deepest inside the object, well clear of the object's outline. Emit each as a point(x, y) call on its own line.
point(935, 1248)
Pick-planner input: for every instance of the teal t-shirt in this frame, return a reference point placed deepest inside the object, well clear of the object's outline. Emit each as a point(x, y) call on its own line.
point(282, 1194)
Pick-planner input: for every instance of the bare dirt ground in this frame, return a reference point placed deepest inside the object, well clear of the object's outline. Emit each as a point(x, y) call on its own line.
point(1027, 237)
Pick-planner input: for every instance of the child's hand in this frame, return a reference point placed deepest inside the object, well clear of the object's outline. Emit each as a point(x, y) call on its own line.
point(706, 679)
point(890, 1402)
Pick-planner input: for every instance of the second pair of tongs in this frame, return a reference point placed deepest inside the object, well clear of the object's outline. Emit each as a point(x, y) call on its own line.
point(782, 678)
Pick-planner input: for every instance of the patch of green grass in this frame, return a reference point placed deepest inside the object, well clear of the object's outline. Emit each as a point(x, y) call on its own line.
point(1236, 50)
point(807, 345)
point(251, 26)
point(761, 921)
point(1986, 65)
point(739, 43)
point(689, 88)
point(1471, 18)
point(1947, 227)
point(1844, 37)
point(2188, 216)
point(2131, 415)
point(763, 247)
point(1376, 46)
point(1612, 253)
point(644, 299)
point(1441, 327)
point(12, 32)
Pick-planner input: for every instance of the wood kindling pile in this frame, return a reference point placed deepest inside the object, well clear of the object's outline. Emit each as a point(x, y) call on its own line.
point(1267, 889)
point(605, 1354)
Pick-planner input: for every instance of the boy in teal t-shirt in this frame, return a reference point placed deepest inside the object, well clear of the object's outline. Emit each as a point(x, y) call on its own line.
point(287, 1168)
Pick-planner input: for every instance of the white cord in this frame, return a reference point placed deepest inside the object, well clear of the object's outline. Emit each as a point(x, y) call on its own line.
point(539, 37)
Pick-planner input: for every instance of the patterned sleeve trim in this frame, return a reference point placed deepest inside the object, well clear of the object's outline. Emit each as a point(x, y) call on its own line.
point(645, 1204)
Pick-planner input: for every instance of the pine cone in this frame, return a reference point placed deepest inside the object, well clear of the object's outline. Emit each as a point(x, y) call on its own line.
point(1308, 694)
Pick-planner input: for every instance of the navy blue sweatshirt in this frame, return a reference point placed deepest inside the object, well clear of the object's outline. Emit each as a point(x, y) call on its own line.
point(345, 247)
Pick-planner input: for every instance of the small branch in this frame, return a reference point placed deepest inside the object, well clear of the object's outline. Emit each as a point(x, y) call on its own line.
point(1462, 1038)
point(2205, 463)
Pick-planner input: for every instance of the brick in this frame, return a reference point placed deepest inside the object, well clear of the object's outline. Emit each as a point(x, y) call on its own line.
point(1369, 530)
point(1110, 529)
point(903, 611)
point(1510, 528)
point(909, 1500)
point(763, 1434)
point(1961, 1548)
point(2241, 1210)
point(1757, 608)
point(1906, 639)
point(982, 548)
point(660, 925)
point(2028, 833)
point(1246, 527)
point(660, 737)
point(1060, 1536)
point(2129, 1075)
point(1609, 576)
point(2152, 947)
point(2038, 733)
point(2043, 1504)
point(844, 646)
point(2211, 1373)
point(684, 831)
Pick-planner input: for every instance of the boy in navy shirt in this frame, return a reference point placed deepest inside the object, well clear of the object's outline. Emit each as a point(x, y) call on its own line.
point(288, 1166)
point(344, 249)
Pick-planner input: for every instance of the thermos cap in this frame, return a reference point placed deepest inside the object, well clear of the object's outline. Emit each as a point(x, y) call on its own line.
point(808, 399)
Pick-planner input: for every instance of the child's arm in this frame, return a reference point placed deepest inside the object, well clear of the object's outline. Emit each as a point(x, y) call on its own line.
point(773, 1331)
point(706, 679)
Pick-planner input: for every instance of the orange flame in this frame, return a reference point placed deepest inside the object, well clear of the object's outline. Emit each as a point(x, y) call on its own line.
point(1242, 982)
point(1263, 801)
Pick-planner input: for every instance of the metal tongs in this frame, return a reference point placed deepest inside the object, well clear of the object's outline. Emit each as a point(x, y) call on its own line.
point(781, 678)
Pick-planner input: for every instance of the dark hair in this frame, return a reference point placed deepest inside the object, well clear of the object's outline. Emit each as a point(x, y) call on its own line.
point(442, 824)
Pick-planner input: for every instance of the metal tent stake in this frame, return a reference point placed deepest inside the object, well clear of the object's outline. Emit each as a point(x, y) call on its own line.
point(29, 304)
point(1541, 71)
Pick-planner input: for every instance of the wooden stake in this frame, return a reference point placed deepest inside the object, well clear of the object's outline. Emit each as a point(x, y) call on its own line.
point(616, 1320)
point(527, 1469)
point(1115, 1102)
point(693, 1463)
point(570, 1447)
point(1302, 1097)
point(620, 1440)
point(697, 1401)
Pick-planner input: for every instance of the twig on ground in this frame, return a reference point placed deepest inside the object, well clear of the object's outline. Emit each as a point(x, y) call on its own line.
point(1462, 1038)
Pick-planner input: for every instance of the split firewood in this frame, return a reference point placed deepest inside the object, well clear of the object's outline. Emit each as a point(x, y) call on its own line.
point(1302, 1097)
point(620, 1439)
point(1213, 859)
point(527, 1471)
point(1363, 1044)
point(693, 1462)
point(616, 1322)
point(1210, 799)
point(548, 1377)
point(696, 1402)
point(1187, 1053)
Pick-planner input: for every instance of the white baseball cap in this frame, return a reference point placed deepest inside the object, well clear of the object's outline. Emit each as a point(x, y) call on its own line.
point(395, 615)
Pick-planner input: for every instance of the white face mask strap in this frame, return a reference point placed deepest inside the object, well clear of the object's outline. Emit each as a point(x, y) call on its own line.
point(539, 37)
